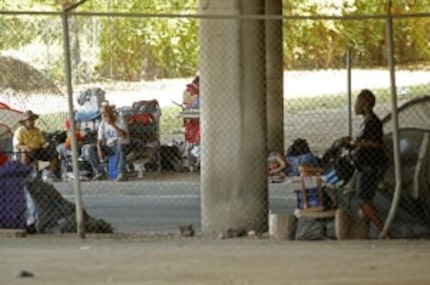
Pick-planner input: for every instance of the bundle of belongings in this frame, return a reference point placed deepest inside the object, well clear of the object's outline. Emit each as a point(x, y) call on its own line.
point(298, 154)
point(313, 188)
point(35, 206)
point(335, 214)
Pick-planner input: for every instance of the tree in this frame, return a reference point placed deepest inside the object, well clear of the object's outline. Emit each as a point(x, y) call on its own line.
point(148, 47)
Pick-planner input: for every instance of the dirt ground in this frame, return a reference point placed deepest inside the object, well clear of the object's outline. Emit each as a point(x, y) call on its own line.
point(67, 260)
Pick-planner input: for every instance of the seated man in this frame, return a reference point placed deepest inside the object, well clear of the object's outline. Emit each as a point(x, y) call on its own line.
point(29, 141)
point(112, 139)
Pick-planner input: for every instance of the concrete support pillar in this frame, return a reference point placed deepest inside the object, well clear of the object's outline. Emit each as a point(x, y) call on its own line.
point(233, 119)
point(275, 77)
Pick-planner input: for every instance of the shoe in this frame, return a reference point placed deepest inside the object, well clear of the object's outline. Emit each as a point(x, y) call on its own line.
point(31, 229)
point(121, 177)
point(99, 176)
point(49, 177)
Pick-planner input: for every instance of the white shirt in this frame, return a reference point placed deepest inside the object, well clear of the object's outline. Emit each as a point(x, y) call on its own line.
point(109, 135)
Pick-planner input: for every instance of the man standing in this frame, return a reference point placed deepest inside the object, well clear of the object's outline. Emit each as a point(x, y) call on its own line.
point(369, 157)
point(112, 138)
point(30, 143)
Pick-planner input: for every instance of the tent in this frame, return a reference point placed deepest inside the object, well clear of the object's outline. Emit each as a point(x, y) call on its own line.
point(415, 113)
point(9, 121)
point(414, 134)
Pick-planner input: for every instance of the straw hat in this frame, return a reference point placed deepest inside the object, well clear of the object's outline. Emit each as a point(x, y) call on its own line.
point(28, 115)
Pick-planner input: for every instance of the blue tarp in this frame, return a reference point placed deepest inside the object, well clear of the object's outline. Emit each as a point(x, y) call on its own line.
point(87, 115)
point(295, 161)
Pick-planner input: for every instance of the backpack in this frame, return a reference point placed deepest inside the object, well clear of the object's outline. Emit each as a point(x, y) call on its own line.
point(298, 147)
point(293, 163)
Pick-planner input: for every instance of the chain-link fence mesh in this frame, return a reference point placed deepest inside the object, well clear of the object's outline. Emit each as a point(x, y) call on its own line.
point(152, 71)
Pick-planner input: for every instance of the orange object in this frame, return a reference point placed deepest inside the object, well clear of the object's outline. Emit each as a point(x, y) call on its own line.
point(68, 142)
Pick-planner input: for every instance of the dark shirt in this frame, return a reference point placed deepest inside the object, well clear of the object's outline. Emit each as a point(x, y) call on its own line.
point(371, 130)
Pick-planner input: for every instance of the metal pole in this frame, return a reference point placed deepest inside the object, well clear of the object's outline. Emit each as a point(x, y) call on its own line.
point(396, 144)
point(110, 40)
point(77, 185)
point(274, 78)
point(349, 90)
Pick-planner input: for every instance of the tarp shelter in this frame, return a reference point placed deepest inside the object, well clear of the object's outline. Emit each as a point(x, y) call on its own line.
point(415, 113)
point(24, 87)
point(12, 72)
point(414, 130)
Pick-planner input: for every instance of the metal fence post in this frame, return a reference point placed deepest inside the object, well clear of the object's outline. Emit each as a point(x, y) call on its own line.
point(349, 92)
point(396, 145)
point(68, 70)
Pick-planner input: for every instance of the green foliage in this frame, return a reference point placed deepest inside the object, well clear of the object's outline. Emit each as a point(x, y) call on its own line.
point(323, 43)
point(171, 122)
point(10, 40)
point(132, 49)
point(52, 122)
point(161, 47)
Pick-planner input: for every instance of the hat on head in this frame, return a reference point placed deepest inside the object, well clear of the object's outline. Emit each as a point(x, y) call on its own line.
point(28, 115)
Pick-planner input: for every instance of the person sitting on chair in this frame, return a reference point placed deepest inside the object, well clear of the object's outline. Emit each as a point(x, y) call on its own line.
point(29, 141)
point(112, 139)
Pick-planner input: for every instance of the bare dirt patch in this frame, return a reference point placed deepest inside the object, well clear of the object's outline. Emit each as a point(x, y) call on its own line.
point(201, 261)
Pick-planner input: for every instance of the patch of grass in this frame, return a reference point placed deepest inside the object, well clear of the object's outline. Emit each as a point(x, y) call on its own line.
point(340, 100)
point(53, 121)
point(171, 122)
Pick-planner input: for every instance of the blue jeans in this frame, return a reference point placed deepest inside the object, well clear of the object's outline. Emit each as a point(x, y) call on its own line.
point(118, 149)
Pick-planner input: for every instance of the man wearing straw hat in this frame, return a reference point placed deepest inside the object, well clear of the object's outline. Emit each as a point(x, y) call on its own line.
point(29, 141)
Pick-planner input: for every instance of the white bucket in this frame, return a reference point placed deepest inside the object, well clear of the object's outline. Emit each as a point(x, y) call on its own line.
point(278, 225)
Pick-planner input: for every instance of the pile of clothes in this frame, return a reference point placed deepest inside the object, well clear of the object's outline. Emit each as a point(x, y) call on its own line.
point(26, 202)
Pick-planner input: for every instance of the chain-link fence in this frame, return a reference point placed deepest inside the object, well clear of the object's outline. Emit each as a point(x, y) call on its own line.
point(149, 91)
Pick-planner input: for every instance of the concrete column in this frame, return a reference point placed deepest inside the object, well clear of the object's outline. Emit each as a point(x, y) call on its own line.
point(233, 119)
point(275, 77)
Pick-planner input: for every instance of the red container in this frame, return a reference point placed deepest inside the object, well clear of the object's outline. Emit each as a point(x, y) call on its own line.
point(192, 130)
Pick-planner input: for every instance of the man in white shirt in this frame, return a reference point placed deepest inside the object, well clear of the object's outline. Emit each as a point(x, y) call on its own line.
point(112, 138)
